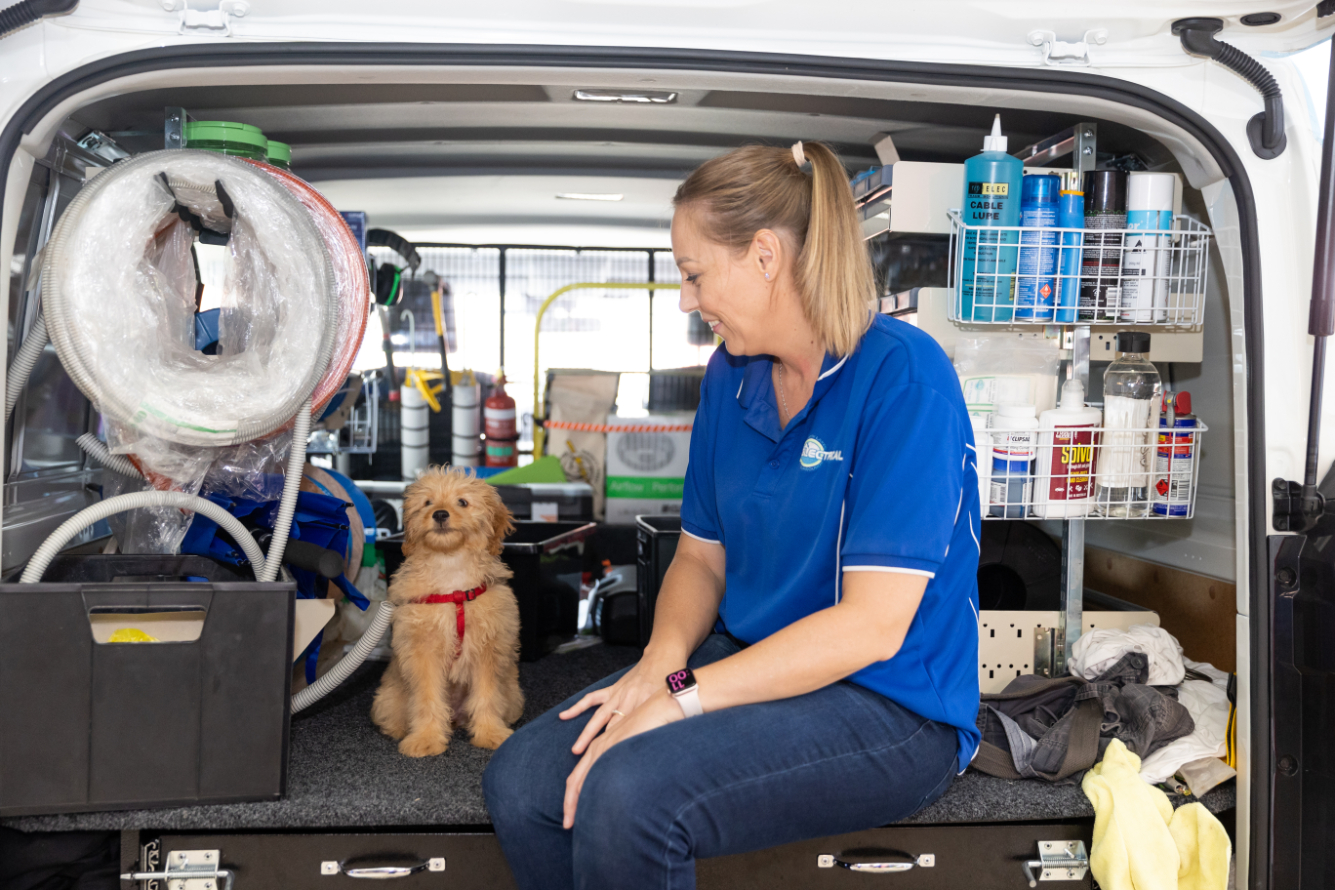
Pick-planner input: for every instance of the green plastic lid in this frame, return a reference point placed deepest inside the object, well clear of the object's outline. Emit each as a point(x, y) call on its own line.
point(280, 151)
point(224, 131)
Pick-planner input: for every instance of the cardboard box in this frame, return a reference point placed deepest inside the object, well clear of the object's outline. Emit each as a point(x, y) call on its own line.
point(646, 470)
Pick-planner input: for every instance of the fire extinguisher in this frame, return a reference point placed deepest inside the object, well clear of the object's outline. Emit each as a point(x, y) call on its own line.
point(502, 438)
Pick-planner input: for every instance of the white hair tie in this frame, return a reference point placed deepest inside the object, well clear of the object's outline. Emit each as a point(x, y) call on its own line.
point(798, 156)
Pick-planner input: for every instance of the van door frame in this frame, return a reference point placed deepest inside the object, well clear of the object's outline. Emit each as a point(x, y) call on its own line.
point(1045, 80)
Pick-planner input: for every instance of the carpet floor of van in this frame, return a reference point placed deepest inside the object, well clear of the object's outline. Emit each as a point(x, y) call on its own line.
point(343, 773)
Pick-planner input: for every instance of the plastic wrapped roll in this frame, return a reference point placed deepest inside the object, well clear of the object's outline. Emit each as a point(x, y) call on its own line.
point(354, 285)
point(466, 425)
point(119, 299)
point(414, 434)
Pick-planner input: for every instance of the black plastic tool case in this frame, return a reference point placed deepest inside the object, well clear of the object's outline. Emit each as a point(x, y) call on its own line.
point(102, 726)
point(656, 544)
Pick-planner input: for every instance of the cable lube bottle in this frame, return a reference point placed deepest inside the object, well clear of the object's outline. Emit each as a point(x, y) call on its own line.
point(992, 182)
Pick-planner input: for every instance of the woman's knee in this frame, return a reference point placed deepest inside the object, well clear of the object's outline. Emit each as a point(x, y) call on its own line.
point(622, 793)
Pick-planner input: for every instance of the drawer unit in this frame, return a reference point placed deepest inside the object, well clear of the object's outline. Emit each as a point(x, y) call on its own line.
point(330, 861)
point(929, 857)
point(944, 857)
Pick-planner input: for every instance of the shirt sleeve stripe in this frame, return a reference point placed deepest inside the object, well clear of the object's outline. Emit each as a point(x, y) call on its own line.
point(896, 569)
point(699, 538)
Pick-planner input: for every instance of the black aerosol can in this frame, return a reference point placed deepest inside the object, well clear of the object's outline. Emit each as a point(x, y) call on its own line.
point(1101, 260)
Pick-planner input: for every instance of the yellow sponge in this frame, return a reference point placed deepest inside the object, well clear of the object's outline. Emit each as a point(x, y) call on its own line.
point(131, 635)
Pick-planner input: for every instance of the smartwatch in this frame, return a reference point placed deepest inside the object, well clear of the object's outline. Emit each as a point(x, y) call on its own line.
point(681, 684)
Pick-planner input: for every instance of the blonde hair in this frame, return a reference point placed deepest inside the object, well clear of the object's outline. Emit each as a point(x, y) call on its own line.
point(759, 187)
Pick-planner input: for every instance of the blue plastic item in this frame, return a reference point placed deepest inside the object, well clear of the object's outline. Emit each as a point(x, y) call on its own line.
point(359, 501)
point(206, 330)
point(992, 184)
point(1070, 215)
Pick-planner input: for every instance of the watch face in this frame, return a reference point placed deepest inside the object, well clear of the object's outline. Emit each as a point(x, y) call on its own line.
point(680, 681)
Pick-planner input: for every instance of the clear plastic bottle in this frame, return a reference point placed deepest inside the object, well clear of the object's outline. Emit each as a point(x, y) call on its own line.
point(1132, 392)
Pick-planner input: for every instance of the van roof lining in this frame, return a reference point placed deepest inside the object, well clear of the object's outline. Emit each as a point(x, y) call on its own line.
point(728, 91)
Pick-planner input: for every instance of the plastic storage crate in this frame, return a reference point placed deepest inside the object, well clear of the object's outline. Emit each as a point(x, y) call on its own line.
point(656, 544)
point(94, 725)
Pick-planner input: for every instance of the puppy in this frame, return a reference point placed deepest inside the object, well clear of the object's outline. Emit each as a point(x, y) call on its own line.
point(454, 525)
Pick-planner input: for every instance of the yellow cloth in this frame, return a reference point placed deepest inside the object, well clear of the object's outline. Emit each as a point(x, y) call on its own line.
point(1140, 843)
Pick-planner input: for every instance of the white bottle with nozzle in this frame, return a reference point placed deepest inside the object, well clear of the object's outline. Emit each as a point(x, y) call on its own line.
point(1067, 454)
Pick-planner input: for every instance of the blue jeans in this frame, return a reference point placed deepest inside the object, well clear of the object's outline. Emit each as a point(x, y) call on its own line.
point(839, 759)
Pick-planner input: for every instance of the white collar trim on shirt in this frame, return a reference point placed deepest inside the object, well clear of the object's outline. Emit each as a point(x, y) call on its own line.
point(832, 370)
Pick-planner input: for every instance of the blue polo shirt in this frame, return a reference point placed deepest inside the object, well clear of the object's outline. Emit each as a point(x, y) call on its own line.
point(877, 473)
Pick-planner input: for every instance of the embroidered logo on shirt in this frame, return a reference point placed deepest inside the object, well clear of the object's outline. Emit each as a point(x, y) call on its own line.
point(813, 452)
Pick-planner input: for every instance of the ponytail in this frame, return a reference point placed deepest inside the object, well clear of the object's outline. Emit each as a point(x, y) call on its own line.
point(758, 187)
point(833, 270)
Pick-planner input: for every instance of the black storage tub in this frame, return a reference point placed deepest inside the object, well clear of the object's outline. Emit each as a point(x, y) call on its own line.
point(103, 726)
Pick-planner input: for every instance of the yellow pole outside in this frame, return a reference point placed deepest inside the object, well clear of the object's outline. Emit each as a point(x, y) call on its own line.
point(539, 435)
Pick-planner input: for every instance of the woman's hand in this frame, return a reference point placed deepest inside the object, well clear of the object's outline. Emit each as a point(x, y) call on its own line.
point(625, 695)
point(657, 710)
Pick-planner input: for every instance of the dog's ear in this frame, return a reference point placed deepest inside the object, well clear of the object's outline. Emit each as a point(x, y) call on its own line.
point(412, 532)
point(502, 523)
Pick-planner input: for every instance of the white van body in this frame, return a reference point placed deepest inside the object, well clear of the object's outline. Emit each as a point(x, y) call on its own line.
point(997, 55)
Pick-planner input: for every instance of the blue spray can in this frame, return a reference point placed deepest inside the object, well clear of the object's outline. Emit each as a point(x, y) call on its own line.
point(991, 199)
point(1036, 281)
point(1070, 215)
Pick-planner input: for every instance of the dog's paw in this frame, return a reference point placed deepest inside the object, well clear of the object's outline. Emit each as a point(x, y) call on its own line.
point(394, 732)
point(492, 737)
point(423, 745)
point(393, 726)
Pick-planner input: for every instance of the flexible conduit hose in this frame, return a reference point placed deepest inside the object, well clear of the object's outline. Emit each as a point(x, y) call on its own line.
point(133, 501)
point(1198, 38)
point(287, 506)
point(21, 368)
point(93, 447)
point(348, 663)
point(28, 11)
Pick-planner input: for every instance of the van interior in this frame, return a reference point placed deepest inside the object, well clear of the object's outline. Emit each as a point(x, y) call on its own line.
point(512, 183)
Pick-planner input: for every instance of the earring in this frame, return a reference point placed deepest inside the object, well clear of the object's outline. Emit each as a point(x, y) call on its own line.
point(767, 276)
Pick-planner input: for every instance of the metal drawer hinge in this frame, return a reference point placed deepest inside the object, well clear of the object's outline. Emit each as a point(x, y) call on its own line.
point(1058, 861)
point(1062, 53)
point(189, 870)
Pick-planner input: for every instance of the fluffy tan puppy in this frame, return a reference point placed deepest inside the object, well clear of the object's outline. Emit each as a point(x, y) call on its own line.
point(454, 526)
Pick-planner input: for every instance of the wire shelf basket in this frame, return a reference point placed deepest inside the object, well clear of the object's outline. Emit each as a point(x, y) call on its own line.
point(1089, 472)
point(1029, 275)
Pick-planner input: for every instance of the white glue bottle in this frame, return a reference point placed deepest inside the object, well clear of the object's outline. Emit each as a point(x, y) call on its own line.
point(1067, 440)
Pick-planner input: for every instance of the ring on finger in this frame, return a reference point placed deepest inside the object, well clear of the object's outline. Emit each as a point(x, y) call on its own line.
point(618, 713)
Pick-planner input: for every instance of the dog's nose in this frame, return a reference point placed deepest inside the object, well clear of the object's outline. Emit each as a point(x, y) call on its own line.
point(440, 515)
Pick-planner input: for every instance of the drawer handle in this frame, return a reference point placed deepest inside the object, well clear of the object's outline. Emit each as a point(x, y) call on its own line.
point(381, 872)
point(926, 860)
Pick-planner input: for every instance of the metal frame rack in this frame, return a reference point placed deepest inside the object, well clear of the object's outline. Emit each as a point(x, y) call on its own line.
point(1170, 295)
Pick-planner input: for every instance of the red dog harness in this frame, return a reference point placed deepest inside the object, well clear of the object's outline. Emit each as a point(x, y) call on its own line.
point(458, 597)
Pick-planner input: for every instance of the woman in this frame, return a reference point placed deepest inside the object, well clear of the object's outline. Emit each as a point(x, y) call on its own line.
point(813, 663)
